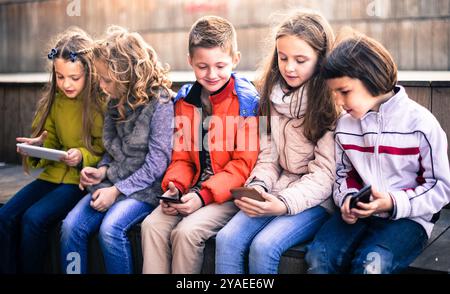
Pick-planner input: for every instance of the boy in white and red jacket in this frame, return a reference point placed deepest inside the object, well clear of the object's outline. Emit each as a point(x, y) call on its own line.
point(386, 140)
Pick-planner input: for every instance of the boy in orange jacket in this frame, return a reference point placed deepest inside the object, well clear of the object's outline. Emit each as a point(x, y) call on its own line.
point(215, 149)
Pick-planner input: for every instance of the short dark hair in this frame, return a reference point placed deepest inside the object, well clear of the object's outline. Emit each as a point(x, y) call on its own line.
point(363, 58)
point(213, 31)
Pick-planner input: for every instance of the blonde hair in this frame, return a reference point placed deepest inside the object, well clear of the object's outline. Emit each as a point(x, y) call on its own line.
point(213, 31)
point(73, 41)
point(320, 114)
point(134, 67)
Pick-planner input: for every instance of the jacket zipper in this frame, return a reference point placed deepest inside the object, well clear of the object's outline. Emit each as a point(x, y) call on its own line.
point(377, 153)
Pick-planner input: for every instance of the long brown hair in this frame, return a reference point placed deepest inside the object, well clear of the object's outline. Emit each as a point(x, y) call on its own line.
point(320, 114)
point(72, 41)
point(134, 67)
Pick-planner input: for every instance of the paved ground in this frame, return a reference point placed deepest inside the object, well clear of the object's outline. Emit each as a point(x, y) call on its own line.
point(12, 179)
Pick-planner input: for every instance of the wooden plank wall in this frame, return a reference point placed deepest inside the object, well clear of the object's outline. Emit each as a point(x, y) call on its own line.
point(415, 31)
point(17, 105)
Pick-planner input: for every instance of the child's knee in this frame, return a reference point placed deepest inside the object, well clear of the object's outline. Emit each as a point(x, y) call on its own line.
point(186, 234)
point(373, 260)
point(226, 237)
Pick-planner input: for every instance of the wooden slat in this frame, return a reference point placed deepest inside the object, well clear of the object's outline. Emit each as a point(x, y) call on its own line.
point(423, 45)
point(27, 106)
point(439, 41)
point(391, 41)
point(407, 48)
point(5, 39)
point(440, 109)
point(11, 111)
point(3, 117)
point(421, 95)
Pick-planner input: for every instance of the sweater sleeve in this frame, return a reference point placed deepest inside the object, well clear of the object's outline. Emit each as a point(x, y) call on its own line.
point(348, 180)
point(316, 186)
point(434, 174)
point(267, 169)
point(159, 155)
point(52, 140)
point(90, 158)
point(182, 163)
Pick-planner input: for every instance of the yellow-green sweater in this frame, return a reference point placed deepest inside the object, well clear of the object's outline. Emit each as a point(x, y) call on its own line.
point(64, 126)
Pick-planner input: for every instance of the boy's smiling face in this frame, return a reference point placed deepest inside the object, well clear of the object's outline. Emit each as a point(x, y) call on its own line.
point(213, 66)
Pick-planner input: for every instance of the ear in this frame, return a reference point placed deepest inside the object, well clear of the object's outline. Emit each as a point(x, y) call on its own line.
point(189, 59)
point(236, 59)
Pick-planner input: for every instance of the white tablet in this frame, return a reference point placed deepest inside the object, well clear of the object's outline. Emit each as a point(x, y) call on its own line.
point(42, 152)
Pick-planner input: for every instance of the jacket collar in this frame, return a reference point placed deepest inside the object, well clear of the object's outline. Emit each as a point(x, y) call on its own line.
point(247, 95)
point(392, 105)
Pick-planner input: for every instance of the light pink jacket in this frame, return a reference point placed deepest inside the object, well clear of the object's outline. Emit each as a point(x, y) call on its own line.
point(291, 167)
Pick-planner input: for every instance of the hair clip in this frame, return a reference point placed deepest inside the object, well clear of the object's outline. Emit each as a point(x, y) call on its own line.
point(73, 56)
point(52, 53)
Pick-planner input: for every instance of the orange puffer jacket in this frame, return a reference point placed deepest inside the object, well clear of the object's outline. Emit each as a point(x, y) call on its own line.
point(232, 139)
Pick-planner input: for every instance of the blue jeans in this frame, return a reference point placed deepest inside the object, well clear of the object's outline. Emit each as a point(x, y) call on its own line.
point(112, 225)
point(25, 221)
point(264, 239)
point(371, 245)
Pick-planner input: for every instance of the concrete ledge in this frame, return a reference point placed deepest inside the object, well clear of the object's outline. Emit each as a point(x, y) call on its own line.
point(407, 78)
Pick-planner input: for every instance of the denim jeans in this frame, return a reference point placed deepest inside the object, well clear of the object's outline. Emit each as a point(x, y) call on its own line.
point(112, 225)
point(371, 245)
point(27, 217)
point(264, 239)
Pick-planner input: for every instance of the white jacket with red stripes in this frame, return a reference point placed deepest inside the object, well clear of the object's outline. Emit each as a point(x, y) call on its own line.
point(401, 149)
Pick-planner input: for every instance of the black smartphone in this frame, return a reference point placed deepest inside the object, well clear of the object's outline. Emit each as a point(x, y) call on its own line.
point(362, 195)
point(174, 199)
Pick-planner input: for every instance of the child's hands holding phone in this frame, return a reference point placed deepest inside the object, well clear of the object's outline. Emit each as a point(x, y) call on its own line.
point(381, 202)
point(268, 205)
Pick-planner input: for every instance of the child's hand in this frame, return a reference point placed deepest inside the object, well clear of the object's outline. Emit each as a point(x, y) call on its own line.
point(91, 176)
point(346, 214)
point(167, 209)
point(258, 188)
point(255, 208)
point(191, 202)
point(38, 141)
point(103, 198)
point(172, 191)
point(73, 157)
point(382, 202)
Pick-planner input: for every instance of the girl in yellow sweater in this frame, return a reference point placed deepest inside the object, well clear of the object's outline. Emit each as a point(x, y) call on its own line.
point(68, 117)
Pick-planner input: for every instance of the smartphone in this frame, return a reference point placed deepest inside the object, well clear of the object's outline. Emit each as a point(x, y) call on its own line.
point(174, 199)
point(362, 195)
point(237, 193)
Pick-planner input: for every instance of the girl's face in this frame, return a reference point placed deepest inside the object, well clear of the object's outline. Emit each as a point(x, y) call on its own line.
point(212, 67)
point(70, 77)
point(353, 97)
point(108, 86)
point(296, 60)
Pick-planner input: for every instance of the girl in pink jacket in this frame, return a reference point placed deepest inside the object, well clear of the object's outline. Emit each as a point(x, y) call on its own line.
point(295, 168)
